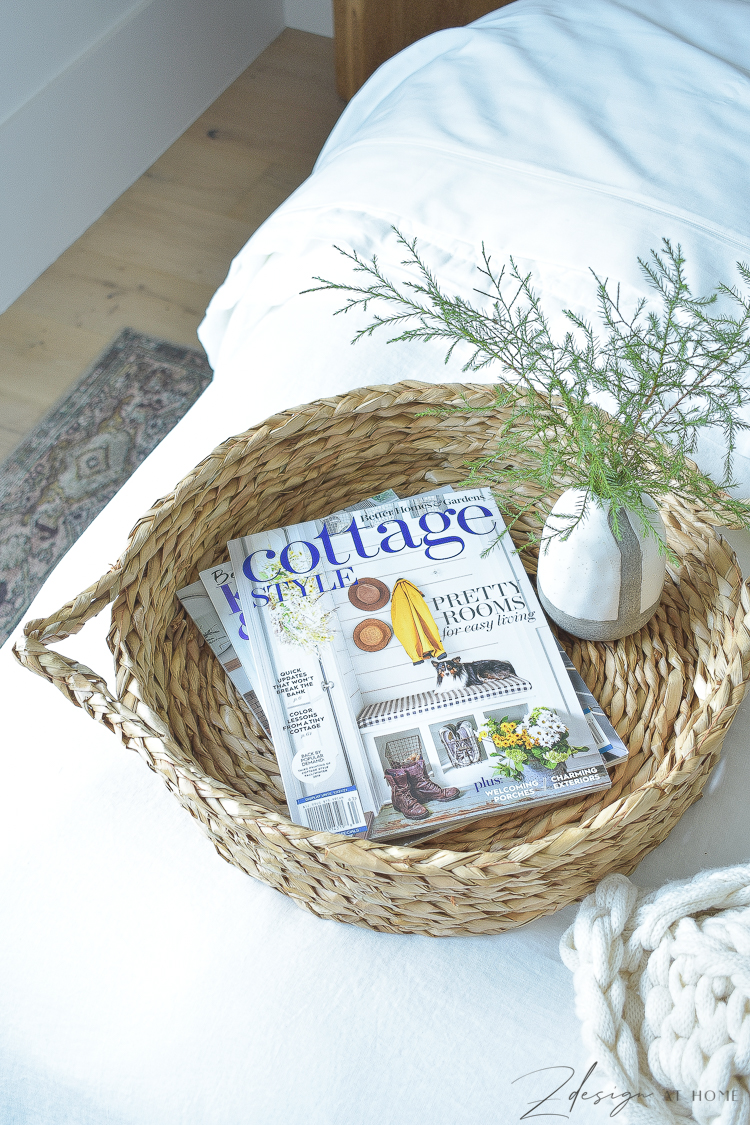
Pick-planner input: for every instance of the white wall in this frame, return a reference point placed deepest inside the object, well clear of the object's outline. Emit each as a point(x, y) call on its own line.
point(38, 40)
point(92, 92)
point(310, 15)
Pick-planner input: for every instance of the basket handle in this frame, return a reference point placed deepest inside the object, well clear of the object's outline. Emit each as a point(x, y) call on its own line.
point(139, 729)
point(78, 683)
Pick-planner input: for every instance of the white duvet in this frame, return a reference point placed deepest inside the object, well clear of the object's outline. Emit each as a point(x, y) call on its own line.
point(572, 134)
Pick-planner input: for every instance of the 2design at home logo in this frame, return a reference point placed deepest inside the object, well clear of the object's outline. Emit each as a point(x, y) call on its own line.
point(561, 1093)
point(556, 1092)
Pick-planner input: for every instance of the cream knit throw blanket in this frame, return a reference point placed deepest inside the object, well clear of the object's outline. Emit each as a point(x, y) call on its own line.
point(662, 984)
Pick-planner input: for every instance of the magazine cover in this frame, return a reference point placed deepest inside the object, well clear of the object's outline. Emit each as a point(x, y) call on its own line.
point(408, 672)
point(220, 585)
point(198, 604)
point(608, 742)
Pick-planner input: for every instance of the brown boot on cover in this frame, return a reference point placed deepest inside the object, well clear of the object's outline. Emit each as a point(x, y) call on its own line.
point(424, 788)
point(401, 795)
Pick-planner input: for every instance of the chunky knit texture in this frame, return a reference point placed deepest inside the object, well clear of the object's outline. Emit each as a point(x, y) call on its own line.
point(662, 985)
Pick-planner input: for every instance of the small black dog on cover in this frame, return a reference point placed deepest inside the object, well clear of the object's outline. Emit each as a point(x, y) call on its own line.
point(457, 673)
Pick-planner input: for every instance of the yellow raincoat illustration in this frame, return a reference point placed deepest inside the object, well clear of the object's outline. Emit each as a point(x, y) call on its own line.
point(413, 623)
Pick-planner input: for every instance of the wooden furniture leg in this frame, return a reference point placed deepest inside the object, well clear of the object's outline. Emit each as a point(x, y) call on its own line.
point(367, 32)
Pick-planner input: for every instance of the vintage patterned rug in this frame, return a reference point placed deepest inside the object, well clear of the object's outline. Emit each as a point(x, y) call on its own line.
point(72, 464)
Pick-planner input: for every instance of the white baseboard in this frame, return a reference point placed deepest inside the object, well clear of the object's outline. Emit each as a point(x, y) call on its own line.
point(69, 151)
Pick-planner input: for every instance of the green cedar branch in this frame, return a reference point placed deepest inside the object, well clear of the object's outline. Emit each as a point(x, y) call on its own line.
point(665, 375)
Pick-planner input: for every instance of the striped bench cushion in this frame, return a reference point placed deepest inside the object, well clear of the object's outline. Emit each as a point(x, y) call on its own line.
point(410, 705)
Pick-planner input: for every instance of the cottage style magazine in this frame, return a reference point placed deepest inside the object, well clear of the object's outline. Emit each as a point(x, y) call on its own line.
point(222, 625)
point(410, 679)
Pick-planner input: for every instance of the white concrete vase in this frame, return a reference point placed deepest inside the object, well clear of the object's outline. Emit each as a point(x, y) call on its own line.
point(595, 586)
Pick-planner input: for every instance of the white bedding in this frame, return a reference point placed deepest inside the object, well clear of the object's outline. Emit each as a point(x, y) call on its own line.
point(145, 981)
point(568, 133)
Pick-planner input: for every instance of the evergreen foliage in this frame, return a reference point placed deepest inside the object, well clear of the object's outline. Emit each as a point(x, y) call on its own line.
point(664, 375)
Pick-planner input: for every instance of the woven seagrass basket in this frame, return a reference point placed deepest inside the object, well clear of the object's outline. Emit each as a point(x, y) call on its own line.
point(671, 690)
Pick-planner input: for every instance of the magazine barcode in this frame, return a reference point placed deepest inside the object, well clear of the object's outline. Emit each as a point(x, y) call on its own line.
point(602, 742)
point(331, 816)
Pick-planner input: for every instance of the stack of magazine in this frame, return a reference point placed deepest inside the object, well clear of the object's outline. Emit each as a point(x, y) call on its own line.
point(397, 656)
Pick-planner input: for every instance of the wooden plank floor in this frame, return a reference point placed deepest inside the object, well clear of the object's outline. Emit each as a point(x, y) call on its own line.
point(155, 257)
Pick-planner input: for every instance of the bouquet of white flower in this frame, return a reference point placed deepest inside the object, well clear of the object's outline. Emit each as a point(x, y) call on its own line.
point(299, 614)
